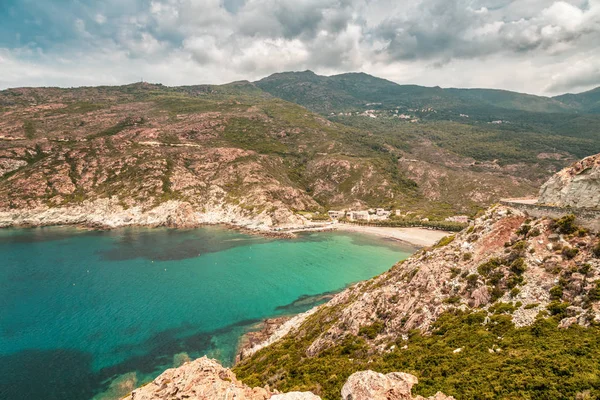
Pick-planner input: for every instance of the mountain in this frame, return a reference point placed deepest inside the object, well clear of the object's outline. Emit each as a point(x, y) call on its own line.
point(586, 102)
point(353, 91)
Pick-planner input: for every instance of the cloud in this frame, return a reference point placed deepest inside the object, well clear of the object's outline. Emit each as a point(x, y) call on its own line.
point(537, 46)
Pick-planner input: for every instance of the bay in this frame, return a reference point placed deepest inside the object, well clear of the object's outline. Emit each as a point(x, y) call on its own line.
point(79, 309)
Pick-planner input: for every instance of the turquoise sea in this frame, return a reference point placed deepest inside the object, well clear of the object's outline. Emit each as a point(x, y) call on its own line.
point(81, 310)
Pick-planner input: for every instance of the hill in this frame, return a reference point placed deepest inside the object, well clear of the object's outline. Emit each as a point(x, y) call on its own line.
point(153, 155)
point(354, 91)
point(585, 102)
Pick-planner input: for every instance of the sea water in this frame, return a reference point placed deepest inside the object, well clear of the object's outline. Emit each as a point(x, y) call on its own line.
point(81, 310)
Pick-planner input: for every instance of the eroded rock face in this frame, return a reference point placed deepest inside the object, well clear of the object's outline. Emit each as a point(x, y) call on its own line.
point(575, 186)
point(370, 385)
point(200, 379)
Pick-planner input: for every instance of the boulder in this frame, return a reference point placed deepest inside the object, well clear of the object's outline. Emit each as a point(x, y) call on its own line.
point(575, 186)
point(370, 385)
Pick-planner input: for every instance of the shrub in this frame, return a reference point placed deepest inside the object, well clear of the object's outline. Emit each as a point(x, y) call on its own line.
point(585, 269)
point(518, 266)
point(445, 241)
point(452, 300)
point(596, 250)
point(487, 267)
point(534, 232)
point(556, 293)
point(566, 224)
point(514, 292)
point(502, 308)
point(467, 256)
point(594, 293)
point(524, 229)
point(570, 252)
point(558, 309)
point(371, 331)
point(472, 280)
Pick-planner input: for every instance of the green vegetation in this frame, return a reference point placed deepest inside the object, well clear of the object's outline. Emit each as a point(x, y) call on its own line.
point(29, 127)
point(566, 224)
point(596, 250)
point(407, 223)
point(445, 241)
point(113, 130)
point(535, 362)
point(371, 331)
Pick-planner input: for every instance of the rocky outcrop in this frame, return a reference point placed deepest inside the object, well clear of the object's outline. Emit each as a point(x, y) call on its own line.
point(206, 379)
point(575, 186)
point(474, 269)
point(110, 213)
point(370, 385)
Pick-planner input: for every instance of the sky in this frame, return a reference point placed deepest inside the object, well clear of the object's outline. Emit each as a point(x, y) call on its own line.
point(543, 47)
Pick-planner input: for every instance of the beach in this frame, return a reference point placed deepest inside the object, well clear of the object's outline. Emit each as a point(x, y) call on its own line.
point(419, 237)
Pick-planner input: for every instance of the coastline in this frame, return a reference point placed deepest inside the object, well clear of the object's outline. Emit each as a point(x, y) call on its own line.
point(417, 237)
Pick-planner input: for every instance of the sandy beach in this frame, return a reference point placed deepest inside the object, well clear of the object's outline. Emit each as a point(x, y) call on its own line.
point(419, 237)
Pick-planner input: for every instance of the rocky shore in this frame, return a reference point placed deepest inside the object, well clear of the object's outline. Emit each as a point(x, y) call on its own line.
point(111, 213)
point(207, 379)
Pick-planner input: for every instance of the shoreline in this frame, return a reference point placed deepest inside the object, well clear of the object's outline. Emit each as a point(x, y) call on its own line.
point(413, 236)
point(416, 237)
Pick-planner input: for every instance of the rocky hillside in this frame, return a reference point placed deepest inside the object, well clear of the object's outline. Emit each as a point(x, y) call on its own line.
point(508, 308)
point(206, 379)
point(575, 186)
point(148, 154)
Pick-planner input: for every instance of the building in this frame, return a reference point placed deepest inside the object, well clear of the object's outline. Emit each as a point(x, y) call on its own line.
point(358, 215)
point(336, 214)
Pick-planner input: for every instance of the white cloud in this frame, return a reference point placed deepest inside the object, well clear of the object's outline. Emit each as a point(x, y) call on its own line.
point(536, 46)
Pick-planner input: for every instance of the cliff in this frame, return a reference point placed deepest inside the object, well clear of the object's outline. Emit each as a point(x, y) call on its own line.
point(575, 186)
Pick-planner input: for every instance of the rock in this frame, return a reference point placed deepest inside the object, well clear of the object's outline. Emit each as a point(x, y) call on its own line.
point(296, 396)
point(200, 379)
point(370, 385)
point(575, 186)
point(206, 379)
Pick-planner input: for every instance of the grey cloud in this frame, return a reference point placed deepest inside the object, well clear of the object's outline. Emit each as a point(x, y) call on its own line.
point(249, 38)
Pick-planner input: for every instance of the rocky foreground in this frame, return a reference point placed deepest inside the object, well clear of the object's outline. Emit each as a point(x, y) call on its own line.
point(207, 379)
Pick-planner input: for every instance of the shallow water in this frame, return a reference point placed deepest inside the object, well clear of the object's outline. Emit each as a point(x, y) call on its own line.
point(79, 309)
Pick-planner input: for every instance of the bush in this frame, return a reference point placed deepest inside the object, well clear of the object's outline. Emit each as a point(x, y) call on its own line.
point(596, 250)
point(486, 268)
point(371, 331)
point(472, 280)
point(566, 224)
point(556, 293)
point(558, 309)
point(570, 252)
point(452, 300)
point(518, 266)
point(445, 241)
point(467, 256)
point(524, 229)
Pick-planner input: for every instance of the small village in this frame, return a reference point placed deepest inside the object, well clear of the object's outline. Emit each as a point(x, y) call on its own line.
point(381, 214)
